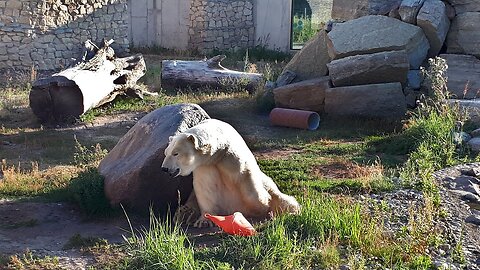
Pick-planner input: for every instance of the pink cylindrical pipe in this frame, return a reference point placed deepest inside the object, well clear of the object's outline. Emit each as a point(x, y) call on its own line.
point(295, 118)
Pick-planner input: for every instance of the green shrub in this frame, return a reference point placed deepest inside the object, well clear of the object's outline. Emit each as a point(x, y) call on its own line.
point(87, 191)
point(431, 130)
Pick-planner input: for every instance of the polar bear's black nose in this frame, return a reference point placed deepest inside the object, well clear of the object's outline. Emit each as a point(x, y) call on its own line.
point(164, 169)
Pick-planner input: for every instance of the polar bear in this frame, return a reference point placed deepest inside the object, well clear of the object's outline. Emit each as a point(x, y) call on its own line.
point(226, 176)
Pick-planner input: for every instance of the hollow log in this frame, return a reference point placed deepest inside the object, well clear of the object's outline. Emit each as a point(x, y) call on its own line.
point(96, 79)
point(198, 75)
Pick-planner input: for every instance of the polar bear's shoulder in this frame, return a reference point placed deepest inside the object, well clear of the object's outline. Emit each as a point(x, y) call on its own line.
point(219, 135)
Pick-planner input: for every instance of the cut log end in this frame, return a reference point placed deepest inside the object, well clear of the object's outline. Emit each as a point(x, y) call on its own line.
point(95, 80)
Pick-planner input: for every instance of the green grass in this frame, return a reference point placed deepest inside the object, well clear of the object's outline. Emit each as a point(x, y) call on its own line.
point(322, 168)
point(161, 246)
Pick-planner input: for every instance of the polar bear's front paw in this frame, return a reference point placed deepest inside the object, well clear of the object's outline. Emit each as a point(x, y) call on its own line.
point(185, 215)
point(202, 222)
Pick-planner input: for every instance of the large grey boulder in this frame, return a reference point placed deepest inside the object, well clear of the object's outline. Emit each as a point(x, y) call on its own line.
point(463, 75)
point(414, 79)
point(344, 10)
point(462, 6)
point(371, 101)
point(372, 34)
point(311, 61)
point(132, 169)
point(433, 19)
point(409, 9)
point(382, 67)
point(464, 34)
point(306, 95)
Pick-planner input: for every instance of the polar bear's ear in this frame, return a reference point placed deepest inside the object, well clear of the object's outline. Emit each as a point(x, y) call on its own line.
point(198, 145)
point(170, 139)
point(193, 139)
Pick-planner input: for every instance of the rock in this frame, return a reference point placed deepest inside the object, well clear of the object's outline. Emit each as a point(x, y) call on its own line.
point(132, 169)
point(372, 34)
point(461, 137)
point(306, 95)
point(269, 86)
point(311, 61)
point(475, 133)
point(373, 100)
point(470, 197)
point(463, 75)
point(409, 9)
point(474, 219)
point(411, 97)
point(475, 172)
point(451, 13)
point(394, 14)
point(464, 34)
point(440, 265)
point(285, 78)
point(462, 6)
point(474, 144)
point(345, 10)
point(432, 18)
point(414, 79)
point(382, 67)
point(466, 183)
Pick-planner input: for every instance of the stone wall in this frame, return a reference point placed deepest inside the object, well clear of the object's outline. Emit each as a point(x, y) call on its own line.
point(221, 24)
point(47, 34)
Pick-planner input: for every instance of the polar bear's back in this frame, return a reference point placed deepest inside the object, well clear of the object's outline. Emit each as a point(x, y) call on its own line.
point(218, 134)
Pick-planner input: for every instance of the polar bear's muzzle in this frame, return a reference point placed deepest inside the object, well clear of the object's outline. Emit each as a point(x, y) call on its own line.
point(171, 172)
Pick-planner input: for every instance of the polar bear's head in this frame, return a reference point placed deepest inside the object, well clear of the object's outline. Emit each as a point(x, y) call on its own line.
point(183, 154)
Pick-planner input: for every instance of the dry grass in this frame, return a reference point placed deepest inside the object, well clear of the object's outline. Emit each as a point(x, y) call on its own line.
point(344, 169)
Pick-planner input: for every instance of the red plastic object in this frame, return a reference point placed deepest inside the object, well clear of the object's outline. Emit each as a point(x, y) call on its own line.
point(235, 224)
point(295, 118)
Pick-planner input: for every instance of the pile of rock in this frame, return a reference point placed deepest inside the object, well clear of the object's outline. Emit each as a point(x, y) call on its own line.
point(369, 65)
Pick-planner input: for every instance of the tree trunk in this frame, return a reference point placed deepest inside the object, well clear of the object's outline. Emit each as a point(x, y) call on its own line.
point(207, 74)
point(96, 79)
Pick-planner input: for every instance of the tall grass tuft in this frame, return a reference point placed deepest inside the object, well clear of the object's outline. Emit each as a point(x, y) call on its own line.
point(162, 246)
point(431, 130)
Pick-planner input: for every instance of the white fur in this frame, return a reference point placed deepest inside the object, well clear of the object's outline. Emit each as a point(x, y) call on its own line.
point(226, 176)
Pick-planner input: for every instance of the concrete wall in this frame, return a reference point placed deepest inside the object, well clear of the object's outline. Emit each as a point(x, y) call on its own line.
point(272, 23)
point(46, 34)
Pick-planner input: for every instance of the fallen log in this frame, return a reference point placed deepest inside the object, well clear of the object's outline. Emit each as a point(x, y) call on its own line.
point(97, 78)
point(198, 75)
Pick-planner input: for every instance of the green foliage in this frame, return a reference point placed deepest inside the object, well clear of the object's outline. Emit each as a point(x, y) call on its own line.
point(162, 246)
point(85, 157)
point(257, 53)
point(274, 248)
point(304, 29)
point(87, 191)
point(431, 131)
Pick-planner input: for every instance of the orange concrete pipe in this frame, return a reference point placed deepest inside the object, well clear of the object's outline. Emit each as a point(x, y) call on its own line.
point(295, 118)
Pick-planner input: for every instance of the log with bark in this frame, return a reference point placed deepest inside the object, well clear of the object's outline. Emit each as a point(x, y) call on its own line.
point(207, 74)
point(96, 79)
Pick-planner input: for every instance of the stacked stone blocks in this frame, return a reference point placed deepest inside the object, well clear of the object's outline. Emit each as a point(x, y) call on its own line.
point(221, 24)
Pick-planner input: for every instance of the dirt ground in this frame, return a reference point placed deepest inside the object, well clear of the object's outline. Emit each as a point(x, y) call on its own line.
point(45, 228)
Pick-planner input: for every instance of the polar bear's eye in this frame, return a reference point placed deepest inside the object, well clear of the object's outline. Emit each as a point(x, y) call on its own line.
point(175, 154)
